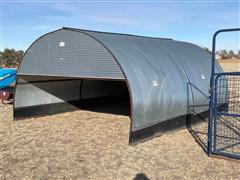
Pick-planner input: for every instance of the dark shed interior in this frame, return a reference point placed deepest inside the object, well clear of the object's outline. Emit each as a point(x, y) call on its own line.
point(61, 94)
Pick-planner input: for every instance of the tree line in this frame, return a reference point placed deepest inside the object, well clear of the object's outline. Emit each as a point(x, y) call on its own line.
point(224, 54)
point(12, 57)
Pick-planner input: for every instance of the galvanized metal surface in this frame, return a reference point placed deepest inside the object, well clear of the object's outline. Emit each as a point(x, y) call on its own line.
point(157, 71)
point(46, 92)
point(71, 54)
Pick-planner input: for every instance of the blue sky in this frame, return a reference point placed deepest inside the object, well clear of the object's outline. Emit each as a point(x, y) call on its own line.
point(194, 21)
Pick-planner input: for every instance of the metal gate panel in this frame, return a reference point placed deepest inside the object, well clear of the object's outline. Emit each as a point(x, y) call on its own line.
point(224, 109)
point(226, 121)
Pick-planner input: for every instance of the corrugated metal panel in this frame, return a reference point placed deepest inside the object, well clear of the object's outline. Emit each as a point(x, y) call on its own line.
point(158, 71)
point(47, 92)
point(71, 54)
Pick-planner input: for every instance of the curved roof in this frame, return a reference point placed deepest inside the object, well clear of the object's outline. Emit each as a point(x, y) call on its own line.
point(158, 71)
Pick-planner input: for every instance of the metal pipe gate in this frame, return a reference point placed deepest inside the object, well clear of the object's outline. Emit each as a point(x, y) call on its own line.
point(224, 110)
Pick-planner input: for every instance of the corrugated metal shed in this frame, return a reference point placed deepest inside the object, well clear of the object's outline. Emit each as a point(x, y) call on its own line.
point(164, 77)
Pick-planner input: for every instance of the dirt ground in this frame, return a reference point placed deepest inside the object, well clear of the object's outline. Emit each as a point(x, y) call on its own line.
point(94, 145)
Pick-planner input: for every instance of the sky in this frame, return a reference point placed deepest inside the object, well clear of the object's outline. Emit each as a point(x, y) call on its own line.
point(22, 22)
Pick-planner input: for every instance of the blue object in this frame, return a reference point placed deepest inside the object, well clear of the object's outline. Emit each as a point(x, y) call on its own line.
point(7, 77)
point(223, 125)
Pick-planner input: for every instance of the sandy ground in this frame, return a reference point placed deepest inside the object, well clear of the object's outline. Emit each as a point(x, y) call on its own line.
point(93, 145)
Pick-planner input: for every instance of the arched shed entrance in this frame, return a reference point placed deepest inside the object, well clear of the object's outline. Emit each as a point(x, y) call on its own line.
point(70, 65)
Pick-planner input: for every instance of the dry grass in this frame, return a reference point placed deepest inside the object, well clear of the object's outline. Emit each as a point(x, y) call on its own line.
point(91, 145)
point(230, 65)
